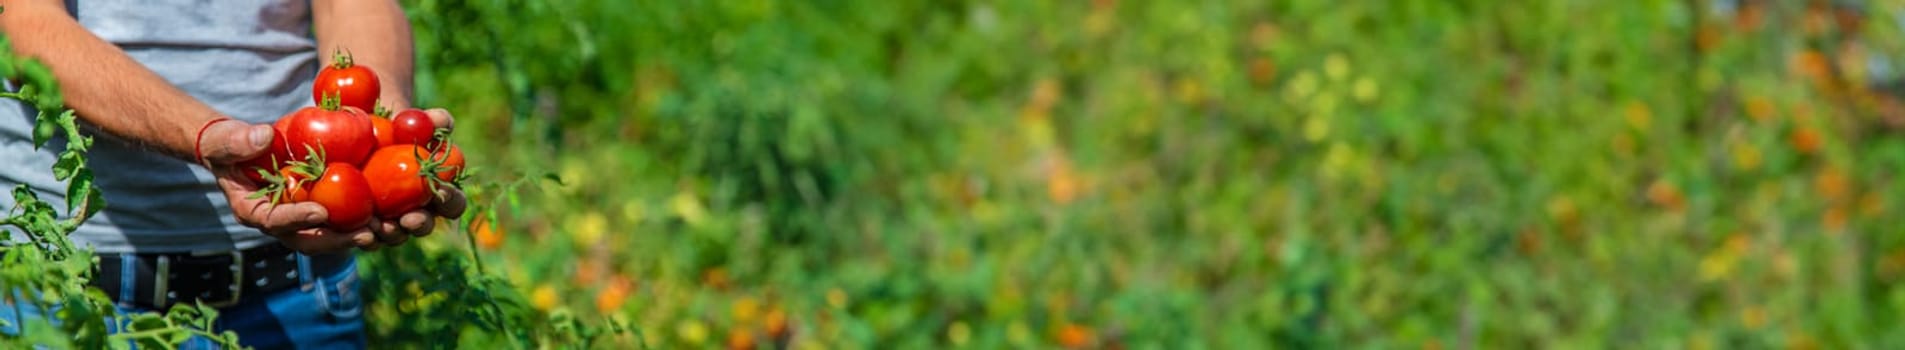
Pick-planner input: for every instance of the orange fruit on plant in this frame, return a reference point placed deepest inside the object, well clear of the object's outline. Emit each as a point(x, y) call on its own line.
point(1665, 194)
point(1832, 184)
point(716, 278)
point(740, 339)
point(488, 236)
point(1262, 71)
point(1074, 336)
point(587, 272)
point(1750, 15)
point(776, 324)
point(1806, 140)
point(612, 297)
point(1706, 38)
point(1812, 65)
point(1834, 219)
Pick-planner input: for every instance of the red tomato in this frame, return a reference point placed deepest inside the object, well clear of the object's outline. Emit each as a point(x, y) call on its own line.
point(380, 127)
point(345, 194)
point(452, 163)
point(413, 126)
point(396, 182)
point(343, 136)
point(284, 122)
point(353, 84)
point(276, 156)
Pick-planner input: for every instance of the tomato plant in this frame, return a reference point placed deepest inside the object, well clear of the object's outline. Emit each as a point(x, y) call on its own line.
point(353, 84)
point(54, 273)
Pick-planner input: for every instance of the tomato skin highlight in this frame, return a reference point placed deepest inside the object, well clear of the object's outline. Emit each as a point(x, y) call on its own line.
point(344, 136)
point(413, 126)
point(354, 85)
point(345, 194)
point(397, 185)
point(452, 163)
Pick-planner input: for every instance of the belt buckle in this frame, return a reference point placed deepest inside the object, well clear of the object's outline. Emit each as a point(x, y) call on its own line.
point(163, 278)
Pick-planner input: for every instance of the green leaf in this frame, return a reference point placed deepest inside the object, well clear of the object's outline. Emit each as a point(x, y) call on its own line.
point(69, 120)
point(95, 199)
point(26, 91)
point(69, 163)
point(23, 195)
point(153, 343)
point(78, 191)
point(146, 321)
point(43, 130)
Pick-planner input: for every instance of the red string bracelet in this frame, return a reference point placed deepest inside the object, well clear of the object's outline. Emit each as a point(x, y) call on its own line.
point(198, 141)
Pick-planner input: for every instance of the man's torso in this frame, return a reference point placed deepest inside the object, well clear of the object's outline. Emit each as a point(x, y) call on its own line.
point(252, 60)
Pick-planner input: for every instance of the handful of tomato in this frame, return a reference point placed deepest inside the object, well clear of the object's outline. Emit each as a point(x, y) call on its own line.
point(353, 163)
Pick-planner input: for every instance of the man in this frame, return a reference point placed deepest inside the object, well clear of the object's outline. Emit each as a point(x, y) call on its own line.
point(152, 79)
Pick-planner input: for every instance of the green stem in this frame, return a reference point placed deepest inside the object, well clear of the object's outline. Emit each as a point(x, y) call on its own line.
point(470, 237)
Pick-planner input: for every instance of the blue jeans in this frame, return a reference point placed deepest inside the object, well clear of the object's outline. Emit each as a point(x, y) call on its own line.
point(321, 313)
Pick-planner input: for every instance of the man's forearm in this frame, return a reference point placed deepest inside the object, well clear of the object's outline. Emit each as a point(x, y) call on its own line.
point(109, 89)
point(376, 34)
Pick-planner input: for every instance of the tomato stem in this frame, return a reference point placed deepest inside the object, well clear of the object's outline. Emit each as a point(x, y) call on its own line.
point(341, 58)
point(431, 163)
point(332, 101)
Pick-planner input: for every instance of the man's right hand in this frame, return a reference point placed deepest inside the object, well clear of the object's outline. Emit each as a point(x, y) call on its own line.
point(299, 226)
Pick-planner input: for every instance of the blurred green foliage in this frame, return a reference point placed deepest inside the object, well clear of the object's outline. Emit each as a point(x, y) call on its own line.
point(1183, 174)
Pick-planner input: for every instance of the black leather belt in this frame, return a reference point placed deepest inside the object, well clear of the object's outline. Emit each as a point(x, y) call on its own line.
point(218, 279)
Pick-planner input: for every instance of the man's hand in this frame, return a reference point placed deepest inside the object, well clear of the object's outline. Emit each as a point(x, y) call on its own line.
point(299, 226)
point(448, 203)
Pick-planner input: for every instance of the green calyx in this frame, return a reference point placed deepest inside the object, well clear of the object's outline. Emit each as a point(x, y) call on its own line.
point(277, 185)
point(429, 164)
point(341, 59)
point(331, 102)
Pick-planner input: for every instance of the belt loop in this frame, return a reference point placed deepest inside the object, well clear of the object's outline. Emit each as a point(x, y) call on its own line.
point(160, 281)
point(304, 271)
point(238, 281)
point(128, 276)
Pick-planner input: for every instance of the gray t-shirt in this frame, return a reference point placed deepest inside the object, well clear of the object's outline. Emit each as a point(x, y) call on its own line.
point(253, 60)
